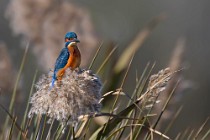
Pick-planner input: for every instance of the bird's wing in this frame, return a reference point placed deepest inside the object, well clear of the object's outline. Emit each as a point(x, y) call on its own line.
point(62, 59)
point(60, 63)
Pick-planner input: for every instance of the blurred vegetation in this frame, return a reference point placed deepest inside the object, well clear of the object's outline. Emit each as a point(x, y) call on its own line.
point(124, 115)
point(122, 68)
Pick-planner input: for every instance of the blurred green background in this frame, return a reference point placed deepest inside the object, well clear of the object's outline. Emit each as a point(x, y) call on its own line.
point(119, 21)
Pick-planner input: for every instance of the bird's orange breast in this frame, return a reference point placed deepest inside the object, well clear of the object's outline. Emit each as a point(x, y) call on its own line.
point(75, 58)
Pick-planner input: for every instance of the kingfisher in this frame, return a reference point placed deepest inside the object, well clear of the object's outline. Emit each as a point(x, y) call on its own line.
point(69, 57)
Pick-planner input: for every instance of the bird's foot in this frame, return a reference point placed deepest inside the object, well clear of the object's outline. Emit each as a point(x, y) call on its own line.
point(59, 83)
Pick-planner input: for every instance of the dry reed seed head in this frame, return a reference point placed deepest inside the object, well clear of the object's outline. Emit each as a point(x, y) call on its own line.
point(78, 93)
point(157, 84)
point(45, 22)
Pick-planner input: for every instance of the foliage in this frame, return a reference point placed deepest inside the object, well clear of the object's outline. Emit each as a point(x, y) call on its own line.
point(136, 119)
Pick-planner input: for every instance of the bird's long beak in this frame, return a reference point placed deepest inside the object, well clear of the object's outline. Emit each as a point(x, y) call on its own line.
point(76, 40)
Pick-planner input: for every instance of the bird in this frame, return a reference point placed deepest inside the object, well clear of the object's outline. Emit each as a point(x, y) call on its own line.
point(69, 57)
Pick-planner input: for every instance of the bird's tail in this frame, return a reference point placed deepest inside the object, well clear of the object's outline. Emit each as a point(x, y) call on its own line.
point(52, 83)
point(54, 78)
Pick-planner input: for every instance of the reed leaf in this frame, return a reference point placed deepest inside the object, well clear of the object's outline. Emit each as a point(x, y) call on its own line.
point(11, 106)
point(136, 44)
point(23, 125)
point(201, 128)
point(95, 56)
point(11, 129)
point(106, 60)
point(206, 135)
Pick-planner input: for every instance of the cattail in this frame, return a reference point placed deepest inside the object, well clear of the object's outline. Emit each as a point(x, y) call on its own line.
point(78, 93)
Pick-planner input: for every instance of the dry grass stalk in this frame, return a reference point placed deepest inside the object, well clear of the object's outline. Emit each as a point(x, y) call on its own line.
point(157, 84)
point(175, 64)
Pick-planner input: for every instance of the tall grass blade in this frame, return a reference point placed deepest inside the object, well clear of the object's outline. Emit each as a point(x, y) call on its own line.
point(33, 119)
point(37, 127)
point(28, 125)
point(73, 133)
point(49, 131)
point(43, 128)
point(201, 128)
point(178, 136)
point(27, 106)
point(81, 129)
point(138, 129)
point(163, 109)
point(11, 129)
point(56, 132)
point(125, 122)
point(61, 130)
point(95, 56)
point(15, 87)
point(115, 101)
point(110, 125)
point(147, 136)
point(106, 60)
point(137, 43)
point(190, 135)
point(206, 135)
point(59, 133)
point(95, 134)
point(114, 121)
point(165, 105)
point(138, 84)
point(69, 133)
point(149, 129)
point(184, 134)
point(144, 81)
point(173, 120)
point(87, 128)
point(12, 118)
point(134, 96)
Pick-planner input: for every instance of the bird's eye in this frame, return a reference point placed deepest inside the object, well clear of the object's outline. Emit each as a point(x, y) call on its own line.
point(71, 39)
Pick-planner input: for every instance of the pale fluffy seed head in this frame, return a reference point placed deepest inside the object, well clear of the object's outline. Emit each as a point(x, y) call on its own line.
point(77, 94)
point(157, 84)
